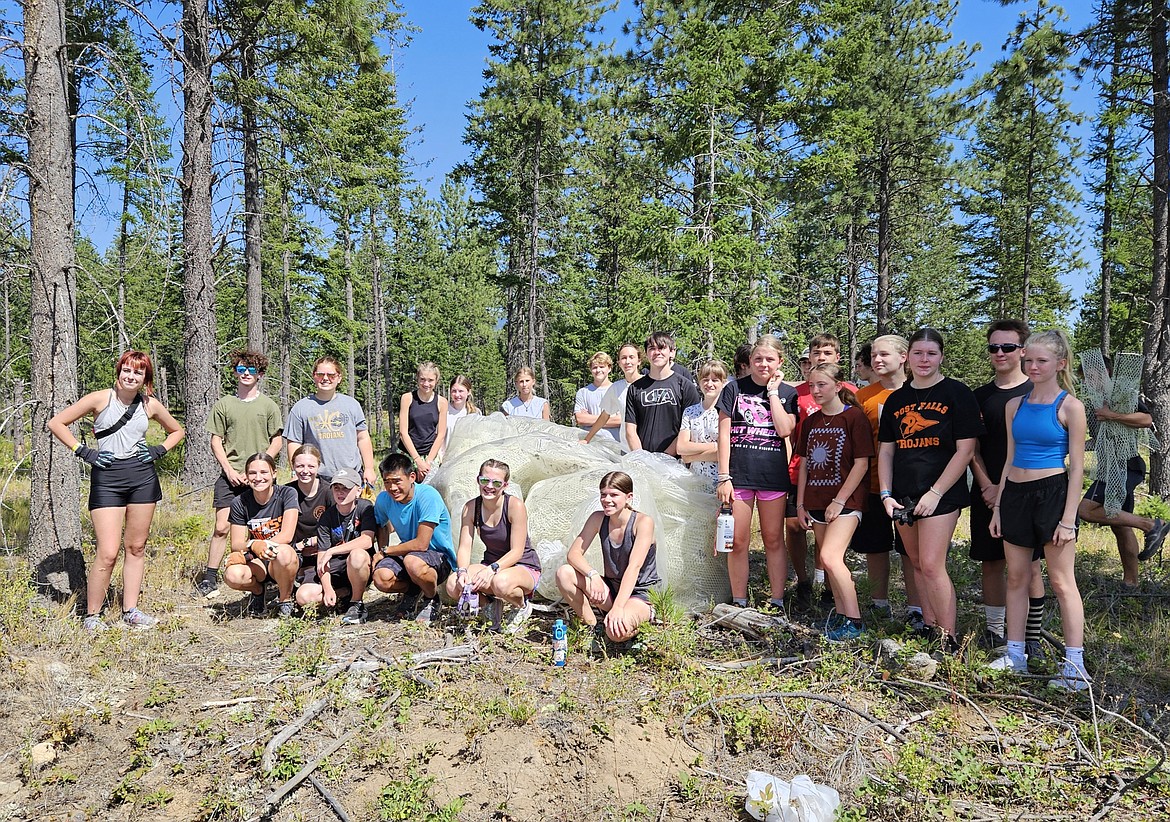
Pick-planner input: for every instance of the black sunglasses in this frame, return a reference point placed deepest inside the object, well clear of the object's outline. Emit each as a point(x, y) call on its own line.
point(1007, 348)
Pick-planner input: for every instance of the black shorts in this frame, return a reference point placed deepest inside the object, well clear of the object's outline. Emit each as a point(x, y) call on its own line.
point(1133, 479)
point(225, 493)
point(1030, 511)
point(984, 547)
point(613, 585)
point(336, 569)
point(790, 511)
point(875, 533)
point(435, 559)
point(818, 515)
point(125, 482)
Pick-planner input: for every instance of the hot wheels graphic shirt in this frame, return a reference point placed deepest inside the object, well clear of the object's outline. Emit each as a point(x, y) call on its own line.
point(924, 424)
point(759, 456)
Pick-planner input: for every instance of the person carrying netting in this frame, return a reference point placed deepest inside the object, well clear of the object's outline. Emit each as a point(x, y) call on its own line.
point(1117, 421)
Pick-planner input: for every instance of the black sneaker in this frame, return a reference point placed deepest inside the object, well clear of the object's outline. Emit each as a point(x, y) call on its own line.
point(989, 640)
point(827, 596)
point(355, 614)
point(256, 605)
point(207, 588)
point(916, 625)
point(286, 609)
point(1154, 539)
point(429, 612)
point(803, 595)
point(407, 605)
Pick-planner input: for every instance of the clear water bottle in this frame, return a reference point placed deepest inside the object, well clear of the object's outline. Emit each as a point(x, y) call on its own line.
point(724, 531)
point(468, 607)
point(560, 637)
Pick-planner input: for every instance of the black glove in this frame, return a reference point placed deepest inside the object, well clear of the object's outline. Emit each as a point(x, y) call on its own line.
point(98, 459)
point(151, 453)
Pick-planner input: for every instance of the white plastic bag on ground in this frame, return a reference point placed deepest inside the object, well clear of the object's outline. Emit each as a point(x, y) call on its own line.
point(771, 799)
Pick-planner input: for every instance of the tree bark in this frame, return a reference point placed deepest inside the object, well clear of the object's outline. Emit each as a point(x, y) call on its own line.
point(253, 205)
point(54, 551)
point(885, 203)
point(1156, 346)
point(200, 375)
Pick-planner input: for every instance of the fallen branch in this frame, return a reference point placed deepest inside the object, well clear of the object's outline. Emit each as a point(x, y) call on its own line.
point(280, 793)
point(744, 664)
point(330, 799)
point(745, 620)
point(268, 760)
point(228, 703)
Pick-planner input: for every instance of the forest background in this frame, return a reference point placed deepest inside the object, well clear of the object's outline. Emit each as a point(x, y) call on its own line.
point(193, 177)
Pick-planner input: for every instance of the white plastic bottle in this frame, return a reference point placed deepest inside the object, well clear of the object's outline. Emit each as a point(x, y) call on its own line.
point(724, 531)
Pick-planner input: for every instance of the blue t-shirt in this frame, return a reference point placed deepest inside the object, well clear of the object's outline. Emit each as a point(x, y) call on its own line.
point(426, 506)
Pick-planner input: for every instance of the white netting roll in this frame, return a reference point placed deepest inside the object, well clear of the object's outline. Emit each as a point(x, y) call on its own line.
point(559, 476)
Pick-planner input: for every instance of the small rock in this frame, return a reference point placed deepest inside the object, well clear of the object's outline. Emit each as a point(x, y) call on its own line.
point(59, 671)
point(8, 789)
point(921, 666)
point(43, 754)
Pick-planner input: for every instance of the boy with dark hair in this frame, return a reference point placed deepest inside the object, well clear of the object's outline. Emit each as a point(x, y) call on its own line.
point(654, 403)
point(425, 553)
point(240, 424)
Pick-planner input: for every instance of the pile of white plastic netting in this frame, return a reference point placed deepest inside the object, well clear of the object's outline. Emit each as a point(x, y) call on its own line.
point(557, 476)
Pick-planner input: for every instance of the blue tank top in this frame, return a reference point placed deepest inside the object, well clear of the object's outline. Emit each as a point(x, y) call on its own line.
point(1041, 441)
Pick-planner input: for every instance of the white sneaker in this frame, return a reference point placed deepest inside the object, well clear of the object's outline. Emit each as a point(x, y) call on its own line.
point(518, 617)
point(1006, 662)
point(94, 624)
point(1071, 678)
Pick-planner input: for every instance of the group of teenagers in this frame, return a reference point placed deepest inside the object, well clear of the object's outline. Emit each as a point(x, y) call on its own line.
point(875, 469)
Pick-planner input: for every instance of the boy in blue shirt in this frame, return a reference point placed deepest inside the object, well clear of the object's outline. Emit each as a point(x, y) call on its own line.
point(425, 554)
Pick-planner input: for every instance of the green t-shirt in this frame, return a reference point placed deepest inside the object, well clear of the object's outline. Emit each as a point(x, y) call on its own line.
point(246, 427)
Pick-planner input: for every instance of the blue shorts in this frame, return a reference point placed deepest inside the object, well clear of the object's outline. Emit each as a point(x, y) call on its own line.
point(435, 559)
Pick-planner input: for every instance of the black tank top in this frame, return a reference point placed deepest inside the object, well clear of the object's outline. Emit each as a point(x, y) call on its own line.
point(616, 558)
point(422, 421)
point(497, 539)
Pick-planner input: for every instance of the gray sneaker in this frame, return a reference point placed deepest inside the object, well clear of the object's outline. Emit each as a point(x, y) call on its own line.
point(136, 619)
point(206, 588)
point(1071, 678)
point(355, 614)
point(94, 624)
point(429, 612)
point(286, 609)
point(1154, 539)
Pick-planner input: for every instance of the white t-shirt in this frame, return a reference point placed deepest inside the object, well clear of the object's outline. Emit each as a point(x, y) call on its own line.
point(453, 417)
point(589, 400)
point(614, 404)
point(515, 407)
point(703, 426)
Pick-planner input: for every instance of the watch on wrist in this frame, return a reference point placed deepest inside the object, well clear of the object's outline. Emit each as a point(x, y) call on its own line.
point(592, 574)
point(495, 566)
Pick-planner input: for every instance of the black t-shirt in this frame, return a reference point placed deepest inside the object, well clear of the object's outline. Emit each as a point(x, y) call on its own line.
point(993, 402)
point(656, 407)
point(312, 508)
point(263, 521)
point(337, 528)
point(924, 425)
point(759, 456)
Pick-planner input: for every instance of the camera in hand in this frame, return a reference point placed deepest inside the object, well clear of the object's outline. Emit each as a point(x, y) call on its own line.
point(905, 514)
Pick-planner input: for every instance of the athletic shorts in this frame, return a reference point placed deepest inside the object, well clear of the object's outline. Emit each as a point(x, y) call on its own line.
point(984, 547)
point(1133, 479)
point(125, 482)
point(225, 493)
point(790, 507)
point(641, 593)
point(435, 559)
point(337, 571)
point(818, 516)
point(1030, 511)
point(747, 495)
point(875, 533)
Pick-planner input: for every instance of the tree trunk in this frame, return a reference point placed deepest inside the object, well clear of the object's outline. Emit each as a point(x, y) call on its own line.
point(286, 328)
point(380, 393)
point(54, 550)
point(200, 375)
point(885, 202)
point(1156, 345)
point(253, 206)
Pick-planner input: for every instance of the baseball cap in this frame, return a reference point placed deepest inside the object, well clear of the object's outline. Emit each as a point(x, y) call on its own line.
point(347, 477)
point(804, 354)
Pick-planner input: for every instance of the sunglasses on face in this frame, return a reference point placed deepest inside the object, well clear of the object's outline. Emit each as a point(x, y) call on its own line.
point(323, 376)
point(488, 482)
point(1006, 348)
point(247, 369)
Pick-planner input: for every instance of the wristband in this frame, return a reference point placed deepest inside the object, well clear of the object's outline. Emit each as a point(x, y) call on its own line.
point(994, 507)
point(460, 571)
point(885, 494)
point(838, 502)
point(773, 393)
point(76, 446)
point(800, 506)
point(936, 492)
point(725, 479)
point(1069, 527)
point(593, 574)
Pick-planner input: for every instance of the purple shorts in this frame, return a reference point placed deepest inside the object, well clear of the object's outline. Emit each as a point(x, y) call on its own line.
point(746, 495)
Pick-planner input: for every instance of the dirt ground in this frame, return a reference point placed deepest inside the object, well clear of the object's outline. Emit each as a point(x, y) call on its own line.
point(172, 724)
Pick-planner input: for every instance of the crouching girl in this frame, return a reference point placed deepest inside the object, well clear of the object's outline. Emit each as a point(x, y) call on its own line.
point(621, 589)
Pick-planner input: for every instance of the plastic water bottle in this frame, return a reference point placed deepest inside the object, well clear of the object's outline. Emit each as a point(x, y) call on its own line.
point(724, 531)
point(560, 638)
point(468, 607)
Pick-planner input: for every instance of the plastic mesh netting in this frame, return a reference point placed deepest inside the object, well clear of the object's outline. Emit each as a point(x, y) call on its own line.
point(1115, 443)
point(558, 476)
